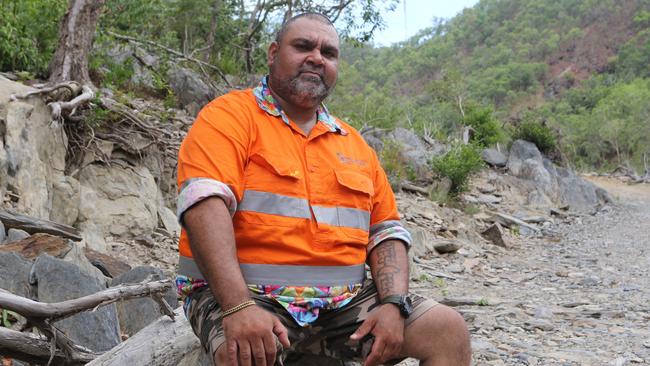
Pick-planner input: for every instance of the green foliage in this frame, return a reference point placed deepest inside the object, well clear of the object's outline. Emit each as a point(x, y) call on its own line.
point(28, 33)
point(458, 164)
point(537, 133)
point(487, 128)
point(394, 165)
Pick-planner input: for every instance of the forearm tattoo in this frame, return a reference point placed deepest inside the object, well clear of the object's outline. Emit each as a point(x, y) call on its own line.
point(387, 269)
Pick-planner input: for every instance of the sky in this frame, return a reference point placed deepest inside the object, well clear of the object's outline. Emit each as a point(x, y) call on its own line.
point(419, 14)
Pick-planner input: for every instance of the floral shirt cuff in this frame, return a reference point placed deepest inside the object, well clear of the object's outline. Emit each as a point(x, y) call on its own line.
point(388, 230)
point(196, 190)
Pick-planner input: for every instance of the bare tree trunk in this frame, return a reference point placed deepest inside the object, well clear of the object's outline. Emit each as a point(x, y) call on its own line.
point(213, 29)
point(76, 32)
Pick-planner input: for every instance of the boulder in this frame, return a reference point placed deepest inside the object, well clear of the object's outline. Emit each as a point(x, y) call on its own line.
point(116, 201)
point(37, 244)
point(495, 235)
point(65, 200)
point(14, 274)
point(413, 151)
point(520, 152)
point(447, 246)
point(110, 267)
point(138, 313)
point(16, 235)
point(168, 220)
point(192, 92)
point(58, 280)
point(3, 233)
point(494, 157)
point(32, 150)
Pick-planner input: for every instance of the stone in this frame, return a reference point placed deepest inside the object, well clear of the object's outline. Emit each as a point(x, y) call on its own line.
point(421, 243)
point(192, 92)
point(116, 201)
point(16, 235)
point(14, 274)
point(65, 200)
point(494, 234)
point(110, 266)
point(413, 151)
point(32, 151)
point(3, 233)
point(494, 157)
point(168, 220)
point(138, 313)
point(37, 244)
point(447, 246)
point(58, 280)
point(521, 151)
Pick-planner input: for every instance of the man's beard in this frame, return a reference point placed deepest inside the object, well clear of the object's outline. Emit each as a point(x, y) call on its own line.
point(303, 90)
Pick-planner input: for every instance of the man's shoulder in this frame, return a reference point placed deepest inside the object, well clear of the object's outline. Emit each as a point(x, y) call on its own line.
point(234, 98)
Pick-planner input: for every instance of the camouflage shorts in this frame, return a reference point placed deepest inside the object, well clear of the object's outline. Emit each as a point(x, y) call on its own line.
point(328, 336)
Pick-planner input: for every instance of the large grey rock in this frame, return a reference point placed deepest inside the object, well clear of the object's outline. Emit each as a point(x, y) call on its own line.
point(413, 151)
point(15, 235)
point(494, 157)
point(14, 274)
point(3, 233)
point(58, 280)
point(32, 149)
point(138, 313)
point(520, 152)
point(66, 193)
point(575, 192)
point(116, 201)
point(192, 92)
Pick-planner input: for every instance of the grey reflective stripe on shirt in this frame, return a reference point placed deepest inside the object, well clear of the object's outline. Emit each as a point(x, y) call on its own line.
point(277, 204)
point(374, 229)
point(342, 216)
point(274, 204)
point(287, 275)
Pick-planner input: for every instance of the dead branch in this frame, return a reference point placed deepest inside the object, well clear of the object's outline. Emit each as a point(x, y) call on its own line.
point(413, 188)
point(33, 349)
point(42, 315)
point(34, 310)
point(173, 52)
point(33, 225)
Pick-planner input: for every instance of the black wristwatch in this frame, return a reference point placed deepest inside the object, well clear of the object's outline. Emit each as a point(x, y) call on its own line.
point(403, 303)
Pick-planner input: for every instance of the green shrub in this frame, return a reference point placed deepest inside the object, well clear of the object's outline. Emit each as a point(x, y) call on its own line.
point(458, 164)
point(486, 126)
point(396, 168)
point(536, 133)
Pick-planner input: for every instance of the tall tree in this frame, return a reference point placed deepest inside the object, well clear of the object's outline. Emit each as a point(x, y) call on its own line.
point(76, 33)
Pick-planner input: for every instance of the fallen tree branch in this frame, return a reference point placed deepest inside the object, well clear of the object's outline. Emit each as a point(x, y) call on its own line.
point(173, 52)
point(31, 309)
point(413, 188)
point(42, 315)
point(32, 225)
point(34, 349)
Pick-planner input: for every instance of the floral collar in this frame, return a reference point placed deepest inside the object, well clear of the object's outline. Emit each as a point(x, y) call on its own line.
point(268, 104)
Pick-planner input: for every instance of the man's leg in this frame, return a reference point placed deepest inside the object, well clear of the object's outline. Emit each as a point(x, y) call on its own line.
point(439, 337)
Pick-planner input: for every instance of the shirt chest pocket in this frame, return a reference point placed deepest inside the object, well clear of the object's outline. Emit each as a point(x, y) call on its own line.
point(351, 196)
point(274, 191)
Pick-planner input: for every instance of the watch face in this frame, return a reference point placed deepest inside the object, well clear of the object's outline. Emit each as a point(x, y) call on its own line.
point(406, 306)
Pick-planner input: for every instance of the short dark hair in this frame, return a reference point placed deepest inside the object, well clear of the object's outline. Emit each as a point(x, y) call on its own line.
point(311, 15)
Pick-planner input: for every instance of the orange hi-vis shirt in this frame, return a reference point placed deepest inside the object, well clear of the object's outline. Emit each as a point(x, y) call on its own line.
point(306, 209)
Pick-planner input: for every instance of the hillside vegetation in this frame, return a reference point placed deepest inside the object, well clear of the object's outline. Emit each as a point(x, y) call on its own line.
point(571, 75)
point(573, 71)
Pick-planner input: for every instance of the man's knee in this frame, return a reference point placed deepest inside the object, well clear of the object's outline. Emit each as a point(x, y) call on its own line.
point(441, 329)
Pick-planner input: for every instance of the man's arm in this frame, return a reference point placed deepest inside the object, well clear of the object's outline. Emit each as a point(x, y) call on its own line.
point(390, 271)
point(249, 332)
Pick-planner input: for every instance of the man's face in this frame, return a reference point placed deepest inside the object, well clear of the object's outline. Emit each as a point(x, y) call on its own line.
point(304, 65)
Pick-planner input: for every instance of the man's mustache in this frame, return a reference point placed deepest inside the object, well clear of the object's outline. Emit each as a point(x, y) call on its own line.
point(317, 71)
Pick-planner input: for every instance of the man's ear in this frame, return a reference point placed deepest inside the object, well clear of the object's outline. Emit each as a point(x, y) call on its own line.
point(272, 52)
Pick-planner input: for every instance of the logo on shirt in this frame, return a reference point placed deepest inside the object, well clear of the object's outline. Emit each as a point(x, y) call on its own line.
point(349, 160)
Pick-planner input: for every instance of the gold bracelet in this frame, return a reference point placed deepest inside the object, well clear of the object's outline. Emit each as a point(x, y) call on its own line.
point(235, 309)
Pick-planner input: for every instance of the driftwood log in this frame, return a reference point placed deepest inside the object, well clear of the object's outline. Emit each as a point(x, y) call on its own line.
point(56, 345)
point(12, 220)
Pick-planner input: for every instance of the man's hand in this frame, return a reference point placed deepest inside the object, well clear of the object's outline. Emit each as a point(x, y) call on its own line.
point(387, 326)
point(250, 337)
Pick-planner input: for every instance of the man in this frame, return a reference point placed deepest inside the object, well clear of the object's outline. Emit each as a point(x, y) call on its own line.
point(282, 204)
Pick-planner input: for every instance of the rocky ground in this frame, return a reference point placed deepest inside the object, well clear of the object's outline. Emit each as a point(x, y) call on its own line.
point(580, 297)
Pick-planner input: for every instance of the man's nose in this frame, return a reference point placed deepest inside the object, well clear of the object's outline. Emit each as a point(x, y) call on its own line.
point(315, 57)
